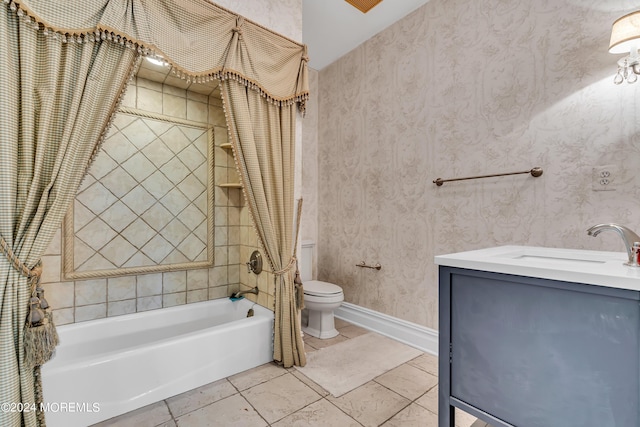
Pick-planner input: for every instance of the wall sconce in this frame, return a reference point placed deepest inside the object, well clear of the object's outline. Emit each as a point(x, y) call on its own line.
point(625, 38)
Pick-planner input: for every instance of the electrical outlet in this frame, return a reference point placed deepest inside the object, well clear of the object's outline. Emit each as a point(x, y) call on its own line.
point(603, 178)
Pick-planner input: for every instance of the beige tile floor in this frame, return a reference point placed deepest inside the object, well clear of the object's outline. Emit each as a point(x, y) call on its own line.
point(269, 395)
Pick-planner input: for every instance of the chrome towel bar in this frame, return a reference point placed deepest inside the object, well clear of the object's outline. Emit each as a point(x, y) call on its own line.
point(364, 265)
point(535, 172)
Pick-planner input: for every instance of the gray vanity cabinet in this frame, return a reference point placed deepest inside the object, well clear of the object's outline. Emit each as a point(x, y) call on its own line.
point(528, 352)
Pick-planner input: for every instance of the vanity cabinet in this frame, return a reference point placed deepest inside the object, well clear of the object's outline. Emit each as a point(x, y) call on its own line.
point(535, 352)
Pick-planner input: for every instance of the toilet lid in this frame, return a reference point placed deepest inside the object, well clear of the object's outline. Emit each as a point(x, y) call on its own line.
point(318, 288)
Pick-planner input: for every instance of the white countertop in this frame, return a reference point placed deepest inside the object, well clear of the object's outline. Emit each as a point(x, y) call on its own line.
point(569, 265)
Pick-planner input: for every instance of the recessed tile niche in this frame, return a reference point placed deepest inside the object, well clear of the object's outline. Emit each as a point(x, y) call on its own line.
point(147, 202)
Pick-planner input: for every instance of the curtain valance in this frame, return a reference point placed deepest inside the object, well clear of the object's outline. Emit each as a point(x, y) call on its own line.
point(199, 40)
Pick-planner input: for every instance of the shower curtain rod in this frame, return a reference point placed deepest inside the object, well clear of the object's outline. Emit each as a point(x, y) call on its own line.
point(535, 172)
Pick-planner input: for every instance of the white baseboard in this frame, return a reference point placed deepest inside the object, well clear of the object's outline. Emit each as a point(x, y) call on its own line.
point(412, 334)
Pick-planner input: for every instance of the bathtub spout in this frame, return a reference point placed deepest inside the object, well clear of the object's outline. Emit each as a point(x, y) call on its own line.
point(237, 295)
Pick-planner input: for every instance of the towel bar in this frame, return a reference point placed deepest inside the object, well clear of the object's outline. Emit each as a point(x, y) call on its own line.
point(535, 172)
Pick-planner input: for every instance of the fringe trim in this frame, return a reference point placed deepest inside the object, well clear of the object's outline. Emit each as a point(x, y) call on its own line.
point(226, 74)
point(103, 135)
point(38, 396)
point(244, 178)
point(104, 33)
point(40, 343)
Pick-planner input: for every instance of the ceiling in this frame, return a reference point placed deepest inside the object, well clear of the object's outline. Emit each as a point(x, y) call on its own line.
point(331, 28)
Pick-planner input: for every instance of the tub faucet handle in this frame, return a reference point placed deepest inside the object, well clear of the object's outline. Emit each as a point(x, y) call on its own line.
point(254, 265)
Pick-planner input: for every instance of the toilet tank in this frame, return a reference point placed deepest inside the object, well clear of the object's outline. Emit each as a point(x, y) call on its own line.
point(306, 260)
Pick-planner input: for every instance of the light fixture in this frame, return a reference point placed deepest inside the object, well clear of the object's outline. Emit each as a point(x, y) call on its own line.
point(625, 37)
point(363, 6)
point(157, 60)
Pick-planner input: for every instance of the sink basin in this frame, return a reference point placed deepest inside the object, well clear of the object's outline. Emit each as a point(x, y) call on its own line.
point(569, 265)
point(560, 256)
point(534, 258)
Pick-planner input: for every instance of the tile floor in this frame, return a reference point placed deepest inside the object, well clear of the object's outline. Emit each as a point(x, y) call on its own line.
point(272, 396)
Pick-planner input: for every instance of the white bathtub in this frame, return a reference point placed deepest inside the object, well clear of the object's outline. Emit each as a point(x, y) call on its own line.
point(107, 367)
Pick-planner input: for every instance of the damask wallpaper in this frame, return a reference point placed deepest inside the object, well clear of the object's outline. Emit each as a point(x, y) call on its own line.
point(309, 221)
point(281, 16)
point(462, 88)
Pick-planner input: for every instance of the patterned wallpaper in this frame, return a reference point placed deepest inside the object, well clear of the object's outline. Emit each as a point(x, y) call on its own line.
point(309, 222)
point(282, 16)
point(462, 88)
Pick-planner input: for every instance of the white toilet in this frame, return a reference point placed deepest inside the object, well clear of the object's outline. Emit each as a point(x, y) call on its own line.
point(320, 299)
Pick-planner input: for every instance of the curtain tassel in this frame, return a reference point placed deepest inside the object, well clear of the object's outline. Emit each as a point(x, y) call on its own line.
point(41, 338)
point(40, 335)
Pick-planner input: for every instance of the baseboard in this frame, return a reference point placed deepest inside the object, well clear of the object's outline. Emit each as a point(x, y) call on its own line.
point(412, 334)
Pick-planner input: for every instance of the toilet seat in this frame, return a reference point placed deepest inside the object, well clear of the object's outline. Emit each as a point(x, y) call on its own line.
point(317, 288)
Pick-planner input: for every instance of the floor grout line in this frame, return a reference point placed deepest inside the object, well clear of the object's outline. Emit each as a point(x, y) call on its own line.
point(263, 377)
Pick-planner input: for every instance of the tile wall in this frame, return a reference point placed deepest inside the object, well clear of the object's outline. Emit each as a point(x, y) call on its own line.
point(265, 280)
point(144, 201)
point(81, 300)
point(76, 301)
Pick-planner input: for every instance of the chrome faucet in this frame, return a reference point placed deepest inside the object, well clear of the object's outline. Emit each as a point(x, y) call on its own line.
point(240, 293)
point(631, 240)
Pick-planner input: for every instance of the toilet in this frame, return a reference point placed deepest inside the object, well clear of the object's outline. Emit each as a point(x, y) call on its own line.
point(320, 299)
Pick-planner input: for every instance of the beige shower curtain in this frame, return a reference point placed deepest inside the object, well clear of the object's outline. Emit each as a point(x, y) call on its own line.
point(65, 65)
point(263, 138)
point(56, 101)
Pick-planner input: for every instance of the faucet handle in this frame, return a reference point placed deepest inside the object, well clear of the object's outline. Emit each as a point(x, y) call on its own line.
point(255, 263)
point(628, 237)
point(634, 261)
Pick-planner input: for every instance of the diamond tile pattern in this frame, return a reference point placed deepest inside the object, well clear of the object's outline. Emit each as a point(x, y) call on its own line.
point(157, 216)
point(97, 198)
point(144, 200)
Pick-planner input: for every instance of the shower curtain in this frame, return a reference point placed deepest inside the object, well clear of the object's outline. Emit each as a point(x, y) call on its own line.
point(65, 66)
point(57, 98)
point(262, 135)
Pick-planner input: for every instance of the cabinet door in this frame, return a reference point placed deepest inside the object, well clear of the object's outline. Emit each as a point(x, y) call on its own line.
point(540, 353)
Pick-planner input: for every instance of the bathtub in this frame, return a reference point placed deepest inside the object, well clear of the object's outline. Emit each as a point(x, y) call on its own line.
point(107, 367)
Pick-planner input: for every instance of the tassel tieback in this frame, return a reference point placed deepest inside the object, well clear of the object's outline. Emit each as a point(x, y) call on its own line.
point(40, 335)
point(297, 281)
